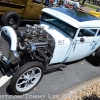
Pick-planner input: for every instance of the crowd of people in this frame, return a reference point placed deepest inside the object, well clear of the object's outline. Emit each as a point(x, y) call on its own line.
point(75, 2)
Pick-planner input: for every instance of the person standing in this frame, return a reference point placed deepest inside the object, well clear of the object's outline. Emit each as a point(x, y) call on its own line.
point(66, 2)
point(83, 2)
point(96, 2)
point(46, 3)
point(76, 5)
point(55, 3)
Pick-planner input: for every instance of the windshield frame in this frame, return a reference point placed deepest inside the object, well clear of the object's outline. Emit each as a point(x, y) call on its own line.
point(67, 28)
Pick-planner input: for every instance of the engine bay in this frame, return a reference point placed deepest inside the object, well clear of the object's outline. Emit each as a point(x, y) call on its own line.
point(33, 44)
point(34, 37)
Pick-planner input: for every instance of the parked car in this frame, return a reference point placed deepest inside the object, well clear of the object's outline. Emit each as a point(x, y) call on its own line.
point(12, 11)
point(95, 13)
point(64, 35)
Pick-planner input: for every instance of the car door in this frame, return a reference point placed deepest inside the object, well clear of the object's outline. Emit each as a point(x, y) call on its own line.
point(83, 45)
point(97, 38)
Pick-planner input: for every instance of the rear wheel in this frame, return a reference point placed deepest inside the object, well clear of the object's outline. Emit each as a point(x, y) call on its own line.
point(97, 57)
point(94, 58)
point(26, 78)
point(97, 53)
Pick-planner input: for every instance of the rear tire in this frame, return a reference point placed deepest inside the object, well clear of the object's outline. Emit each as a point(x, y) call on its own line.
point(97, 57)
point(26, 78)
point(11, 18)
point(97, 53)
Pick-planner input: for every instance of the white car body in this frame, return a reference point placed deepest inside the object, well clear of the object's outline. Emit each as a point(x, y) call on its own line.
point(66, 35)
point(69, 49)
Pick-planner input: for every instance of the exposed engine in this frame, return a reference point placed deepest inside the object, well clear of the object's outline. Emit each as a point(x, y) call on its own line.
point(34, 37)
point(36, 41)
point(31, 44)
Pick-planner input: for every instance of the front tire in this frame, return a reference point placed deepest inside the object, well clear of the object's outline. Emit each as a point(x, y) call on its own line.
point(26, 78)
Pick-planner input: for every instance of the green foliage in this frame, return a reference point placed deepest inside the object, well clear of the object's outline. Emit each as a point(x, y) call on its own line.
point(91, 6)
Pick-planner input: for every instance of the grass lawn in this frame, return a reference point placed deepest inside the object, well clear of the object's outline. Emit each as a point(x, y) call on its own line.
point(91, 6)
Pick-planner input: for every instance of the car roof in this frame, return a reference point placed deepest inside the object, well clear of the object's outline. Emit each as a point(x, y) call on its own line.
point(74, 17)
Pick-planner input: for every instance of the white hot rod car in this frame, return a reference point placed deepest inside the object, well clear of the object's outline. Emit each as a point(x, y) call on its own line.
point(64, 35)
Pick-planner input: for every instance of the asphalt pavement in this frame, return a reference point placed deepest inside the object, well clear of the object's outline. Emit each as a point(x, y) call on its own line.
point(56, 81)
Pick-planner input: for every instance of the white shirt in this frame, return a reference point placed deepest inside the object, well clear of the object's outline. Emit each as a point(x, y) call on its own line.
point(76, 5)
point(66, 2)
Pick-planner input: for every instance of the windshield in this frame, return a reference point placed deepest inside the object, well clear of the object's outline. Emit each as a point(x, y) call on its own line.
point(68, 29)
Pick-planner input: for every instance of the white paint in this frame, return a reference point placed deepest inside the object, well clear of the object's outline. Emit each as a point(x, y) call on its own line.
point(60, 50)
point(72, 21)
point(5, 78)
point(10, 32)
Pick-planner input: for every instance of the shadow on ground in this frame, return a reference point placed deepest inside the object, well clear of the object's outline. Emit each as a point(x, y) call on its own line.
point(8, 90)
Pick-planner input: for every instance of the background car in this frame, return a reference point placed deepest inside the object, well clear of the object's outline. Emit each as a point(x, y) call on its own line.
point(12, 11)
point(95, 13)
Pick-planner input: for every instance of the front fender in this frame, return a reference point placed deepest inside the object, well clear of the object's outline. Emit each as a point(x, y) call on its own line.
point(10, 32)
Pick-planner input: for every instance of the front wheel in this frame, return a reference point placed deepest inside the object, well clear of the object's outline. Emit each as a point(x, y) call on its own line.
point(26, 77)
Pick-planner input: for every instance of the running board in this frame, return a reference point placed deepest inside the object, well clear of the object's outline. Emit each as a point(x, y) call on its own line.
point(5, 78)
point(51, 67)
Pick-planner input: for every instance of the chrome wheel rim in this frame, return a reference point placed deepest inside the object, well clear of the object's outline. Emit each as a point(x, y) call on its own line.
point(28, 79)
